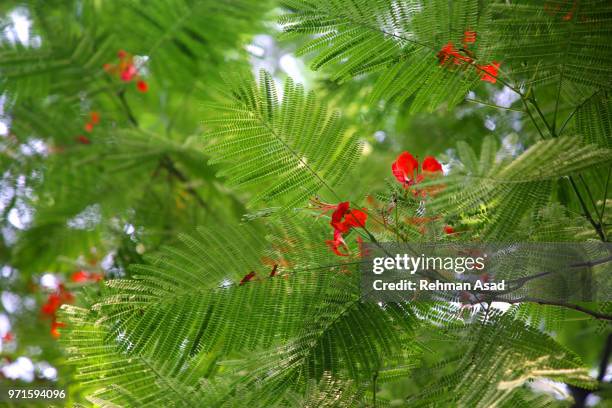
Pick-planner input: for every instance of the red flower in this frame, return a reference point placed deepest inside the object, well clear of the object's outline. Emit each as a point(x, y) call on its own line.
point(336, 243)
point(343, 218)
point(83, 139)
point(80, 276)
point(129, 72)
point(403, 168)
point(338, 214)
point(54, 301)
point(448, 229)
point(8, 336)
point(95, 117)
point(448, 52)
point(354, 219)
point(84, 276)
point(248, 277)
point(490, 72)
point(126, 70)
point(142, 86)
point(430, 164)
point(405, 165)
point(89, 127)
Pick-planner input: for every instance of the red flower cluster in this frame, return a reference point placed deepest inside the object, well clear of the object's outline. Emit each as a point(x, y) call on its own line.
point(464, 56)
point(490, 72)
point(54, 301)
point(343, 219)
point(405, 166)
point(126, 71)
point(8, 336)
point(84, 276)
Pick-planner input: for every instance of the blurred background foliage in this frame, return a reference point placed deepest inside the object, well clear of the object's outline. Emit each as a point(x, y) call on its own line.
point(97, 200)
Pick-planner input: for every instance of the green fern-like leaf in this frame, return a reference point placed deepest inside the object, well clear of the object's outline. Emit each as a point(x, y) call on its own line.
point(399, 39)
point(293, 146)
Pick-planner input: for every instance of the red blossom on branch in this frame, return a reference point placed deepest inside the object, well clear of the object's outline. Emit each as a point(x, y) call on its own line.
point(54, 301)
point(84, 276)
point(448, 52)
point(490, 72)
point(405, 166)
point(126, 70)
point(343, 219)
point(337, 243)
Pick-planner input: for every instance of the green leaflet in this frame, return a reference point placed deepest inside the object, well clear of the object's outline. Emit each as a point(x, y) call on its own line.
point(290, 148)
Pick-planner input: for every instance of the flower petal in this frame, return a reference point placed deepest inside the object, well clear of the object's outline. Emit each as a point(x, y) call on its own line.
point(128, 73)
point(431, 165)
point(355, 219)
point(80, 276)
point(403, 167)
point(490, 72)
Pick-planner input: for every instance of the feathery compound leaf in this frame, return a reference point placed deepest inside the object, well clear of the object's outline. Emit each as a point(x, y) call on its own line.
point(508, 190)
point(594, 120)
point(293, 145)
point(401, 39)
point(555, 40)
point(502, 355)
point(114, 378)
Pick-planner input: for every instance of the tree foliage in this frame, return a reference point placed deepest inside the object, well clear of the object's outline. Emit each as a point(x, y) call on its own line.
point(205, 198)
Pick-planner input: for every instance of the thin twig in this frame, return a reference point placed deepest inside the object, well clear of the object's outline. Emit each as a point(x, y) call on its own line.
point(587, 213)
point(126, 107)
point(593, 313)
point(492, 105)
point(169, 165)
point(605, 197)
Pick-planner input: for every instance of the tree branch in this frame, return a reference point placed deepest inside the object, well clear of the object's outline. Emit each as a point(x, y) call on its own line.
point(169, 165)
